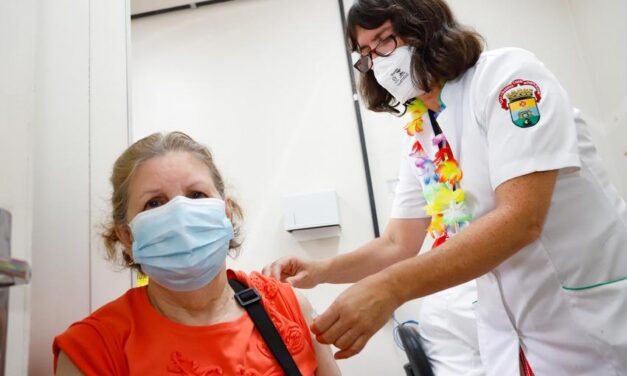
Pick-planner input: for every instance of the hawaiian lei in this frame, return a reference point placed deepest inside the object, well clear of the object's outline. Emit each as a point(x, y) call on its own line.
point(441, 177)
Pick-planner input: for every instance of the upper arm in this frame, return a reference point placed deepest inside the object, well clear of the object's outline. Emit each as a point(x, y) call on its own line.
point(407, 234)
point(91, 347)
point(65, 366)
point(408, 199)
point(324, 357)
point(531, 135)
point(408, 222)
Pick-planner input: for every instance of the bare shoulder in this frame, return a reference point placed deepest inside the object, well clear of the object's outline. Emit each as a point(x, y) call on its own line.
point(327, 365)
point(305, 306)
point(66, 367)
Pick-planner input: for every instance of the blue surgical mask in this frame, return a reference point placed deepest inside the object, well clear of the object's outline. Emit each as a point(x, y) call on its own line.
point(183, 244)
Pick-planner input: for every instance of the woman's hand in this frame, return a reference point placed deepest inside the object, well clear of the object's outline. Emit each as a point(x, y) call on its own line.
point(304, 274)
point(356, 315)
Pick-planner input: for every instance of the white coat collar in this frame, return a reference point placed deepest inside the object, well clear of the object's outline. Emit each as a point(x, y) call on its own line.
point(450, 116)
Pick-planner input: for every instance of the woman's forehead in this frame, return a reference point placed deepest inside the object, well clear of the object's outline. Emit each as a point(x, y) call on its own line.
point(171, 168)
point(365, 37)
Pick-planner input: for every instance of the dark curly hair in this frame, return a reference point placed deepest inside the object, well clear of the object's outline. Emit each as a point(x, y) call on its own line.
point(444, 49)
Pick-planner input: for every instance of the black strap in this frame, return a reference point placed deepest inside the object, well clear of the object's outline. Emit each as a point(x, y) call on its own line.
point(250, 299)
point(436, 127)
point(437, 131)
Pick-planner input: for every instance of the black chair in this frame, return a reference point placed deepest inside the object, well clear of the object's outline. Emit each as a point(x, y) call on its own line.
point(418, 362)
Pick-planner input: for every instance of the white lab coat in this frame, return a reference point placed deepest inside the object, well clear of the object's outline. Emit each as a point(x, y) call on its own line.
point(563, 298)
point(448, 328)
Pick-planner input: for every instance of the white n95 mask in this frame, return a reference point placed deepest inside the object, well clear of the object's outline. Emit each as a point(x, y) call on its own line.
point(183, 244)
point(394, 74)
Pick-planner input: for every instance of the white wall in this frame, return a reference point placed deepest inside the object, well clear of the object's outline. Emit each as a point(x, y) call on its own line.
point(81, 126)
point(600, 30)
point(17, 60)
point(109, 135)
point(61, 223)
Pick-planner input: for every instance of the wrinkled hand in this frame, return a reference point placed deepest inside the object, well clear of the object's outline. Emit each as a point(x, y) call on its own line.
point(355, 316)
point(300, 273)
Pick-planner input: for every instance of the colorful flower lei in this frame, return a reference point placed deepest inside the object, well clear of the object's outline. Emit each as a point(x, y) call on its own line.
point(441, 177)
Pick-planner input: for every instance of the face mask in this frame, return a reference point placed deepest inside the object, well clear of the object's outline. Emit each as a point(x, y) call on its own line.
point(394, 74)
point(182, 245)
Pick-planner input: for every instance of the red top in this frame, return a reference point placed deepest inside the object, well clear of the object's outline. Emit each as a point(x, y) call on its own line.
point(129, 337)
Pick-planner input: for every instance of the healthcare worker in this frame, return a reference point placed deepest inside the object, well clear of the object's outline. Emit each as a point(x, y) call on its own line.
point(517, 197)
point(447, 318)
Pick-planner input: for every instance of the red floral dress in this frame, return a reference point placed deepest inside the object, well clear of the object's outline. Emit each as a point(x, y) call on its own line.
point(129, 337)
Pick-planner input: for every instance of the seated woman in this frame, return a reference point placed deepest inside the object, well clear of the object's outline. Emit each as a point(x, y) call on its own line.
point(175, 224)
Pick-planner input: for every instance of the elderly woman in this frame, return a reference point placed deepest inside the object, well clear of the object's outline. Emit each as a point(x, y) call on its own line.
point(175, 225)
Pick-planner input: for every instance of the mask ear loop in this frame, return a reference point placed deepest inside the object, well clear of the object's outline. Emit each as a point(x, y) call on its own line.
point(142, 278)
point(129, 260)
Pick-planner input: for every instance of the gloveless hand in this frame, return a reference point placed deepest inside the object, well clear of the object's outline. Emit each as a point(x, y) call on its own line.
point(356, 315)
point(304, 274)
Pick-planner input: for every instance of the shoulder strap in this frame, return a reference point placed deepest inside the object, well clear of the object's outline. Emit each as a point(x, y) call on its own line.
point(250, 299)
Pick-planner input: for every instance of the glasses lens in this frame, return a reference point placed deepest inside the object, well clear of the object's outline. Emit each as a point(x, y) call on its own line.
point(386, 47)
point(363, 64)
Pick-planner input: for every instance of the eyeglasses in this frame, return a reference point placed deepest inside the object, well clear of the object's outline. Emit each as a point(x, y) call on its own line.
point(384, 48)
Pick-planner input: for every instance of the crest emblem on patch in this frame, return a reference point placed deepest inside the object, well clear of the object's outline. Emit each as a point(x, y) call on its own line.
point(521, 98)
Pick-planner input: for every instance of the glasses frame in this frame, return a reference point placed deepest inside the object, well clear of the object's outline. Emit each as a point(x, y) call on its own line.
point(364, 63)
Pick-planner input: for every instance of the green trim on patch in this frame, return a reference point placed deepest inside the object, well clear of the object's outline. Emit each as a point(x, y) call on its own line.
point(593, 286)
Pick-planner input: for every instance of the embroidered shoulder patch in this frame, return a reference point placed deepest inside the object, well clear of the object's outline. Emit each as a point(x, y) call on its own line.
point(521, 98)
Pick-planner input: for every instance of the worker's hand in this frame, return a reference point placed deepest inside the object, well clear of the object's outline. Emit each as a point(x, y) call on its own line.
point(300, 273)
point(355, 316)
